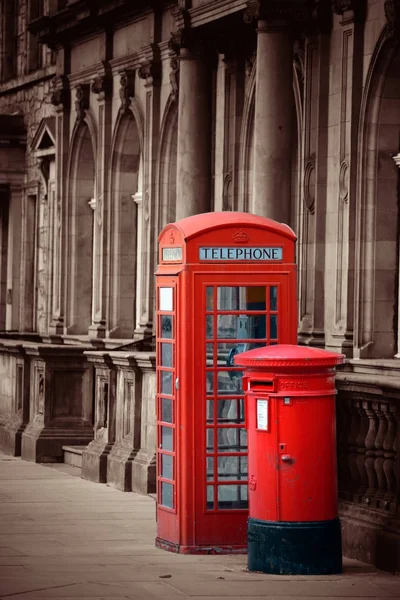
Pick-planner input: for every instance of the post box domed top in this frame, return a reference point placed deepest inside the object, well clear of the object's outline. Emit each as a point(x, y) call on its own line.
point(205, 222)
point(287, 355)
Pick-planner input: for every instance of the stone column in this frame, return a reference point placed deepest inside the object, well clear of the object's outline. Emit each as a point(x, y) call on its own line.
point(194, 149)
point(13, 258)
point(101, 87)
point(60, 99)
point(272, 121)
point(396, 159)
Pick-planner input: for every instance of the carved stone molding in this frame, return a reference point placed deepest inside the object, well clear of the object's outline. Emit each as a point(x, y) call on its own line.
point(392, 13)
point(150, 65)
point(182, 34)
point(309, 184)
point(299, 54)
point(127, 88)
point(344, 181)
point(396, 159)
point(174, 77)
point(101, 86)
point(82, 100)
point(60, 93)
point(350, 9)
point(151, 72)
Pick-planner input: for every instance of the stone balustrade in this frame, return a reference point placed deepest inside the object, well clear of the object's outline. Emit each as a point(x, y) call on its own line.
point(368, 433)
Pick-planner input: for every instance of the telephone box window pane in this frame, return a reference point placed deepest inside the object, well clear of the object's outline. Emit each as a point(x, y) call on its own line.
point(166, 355)
point(232, 467)
point(209, 298)
point(241, 327)
point(230, 411)
point(209, 327)
point(166, 466)
point(210, 469)
point(166, 327)
point(166, 438)
point(229, 382)
point(210, 382)
point(210, 497)
point(273, 297)
point(167, 494)
point(209, 355)
point(232, 439)
point(166, 382)
point(227, 327)
point(166, 410)
point(166, 299)
point(241, 298)
point(210, 440)
point(210, 411)
point(273, 325)
point(231, 298)
point(232, 496)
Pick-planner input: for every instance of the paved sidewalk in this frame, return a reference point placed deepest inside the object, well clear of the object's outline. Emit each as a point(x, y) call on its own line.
point(62, 537)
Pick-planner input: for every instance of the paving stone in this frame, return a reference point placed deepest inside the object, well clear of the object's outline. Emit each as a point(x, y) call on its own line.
point(64, 537)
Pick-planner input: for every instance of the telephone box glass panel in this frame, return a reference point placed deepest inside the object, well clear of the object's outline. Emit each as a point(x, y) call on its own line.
point(166, 369)
point(238, 318)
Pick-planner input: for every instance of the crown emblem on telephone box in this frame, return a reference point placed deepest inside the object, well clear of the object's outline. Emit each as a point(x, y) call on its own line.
point(240, 237)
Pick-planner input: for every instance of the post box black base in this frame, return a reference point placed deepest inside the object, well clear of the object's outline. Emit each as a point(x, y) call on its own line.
point(286, 548)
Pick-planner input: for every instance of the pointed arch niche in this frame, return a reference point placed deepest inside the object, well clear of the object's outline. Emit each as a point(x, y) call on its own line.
point(125, 203)
point(167, 161)
point(377, 233)
point(80, 229)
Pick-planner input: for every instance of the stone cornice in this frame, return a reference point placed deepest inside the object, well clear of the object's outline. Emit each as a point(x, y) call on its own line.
point(130, 62)
point(215, 9)
point(308, 16)
point(84, 16)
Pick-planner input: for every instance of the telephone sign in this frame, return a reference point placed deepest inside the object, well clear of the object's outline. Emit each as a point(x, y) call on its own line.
point(226, 283)
point(229, 253)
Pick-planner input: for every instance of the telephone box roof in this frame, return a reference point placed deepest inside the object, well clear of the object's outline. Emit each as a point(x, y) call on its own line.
point(192, 226)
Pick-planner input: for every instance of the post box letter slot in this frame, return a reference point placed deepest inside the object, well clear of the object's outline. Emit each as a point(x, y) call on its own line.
point(262, 414)
point(263, 384)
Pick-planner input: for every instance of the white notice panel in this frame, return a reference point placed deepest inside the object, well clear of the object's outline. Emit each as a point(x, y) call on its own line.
point(166, 299)
point(262, 414)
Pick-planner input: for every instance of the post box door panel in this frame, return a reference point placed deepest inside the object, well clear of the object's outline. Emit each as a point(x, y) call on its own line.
point(306, 458)
point(166, 333)
point(240, 313)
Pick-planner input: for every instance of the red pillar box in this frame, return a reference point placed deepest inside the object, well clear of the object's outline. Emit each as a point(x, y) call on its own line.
point(293, 525)
point(226, 283)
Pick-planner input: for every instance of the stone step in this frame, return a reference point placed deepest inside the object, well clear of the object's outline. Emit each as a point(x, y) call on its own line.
point(73, 455)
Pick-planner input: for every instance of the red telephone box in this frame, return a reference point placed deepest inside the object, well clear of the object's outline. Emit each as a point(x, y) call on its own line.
point(226, 283)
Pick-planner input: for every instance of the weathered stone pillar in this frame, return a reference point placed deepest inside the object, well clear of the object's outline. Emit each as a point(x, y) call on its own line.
point(60, 396)
point(144, 463)
point(273, 121)
point(94, 457)
point(127, 421)
point(60, 99)
point(194, 124)
point(14, 395)
point(14, 258)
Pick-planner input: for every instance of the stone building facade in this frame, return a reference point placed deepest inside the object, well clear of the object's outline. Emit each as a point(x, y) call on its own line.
point(117, 117)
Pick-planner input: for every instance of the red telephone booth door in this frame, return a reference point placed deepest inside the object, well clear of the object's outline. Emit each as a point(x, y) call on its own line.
point(240, 312)
point(166, 328)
